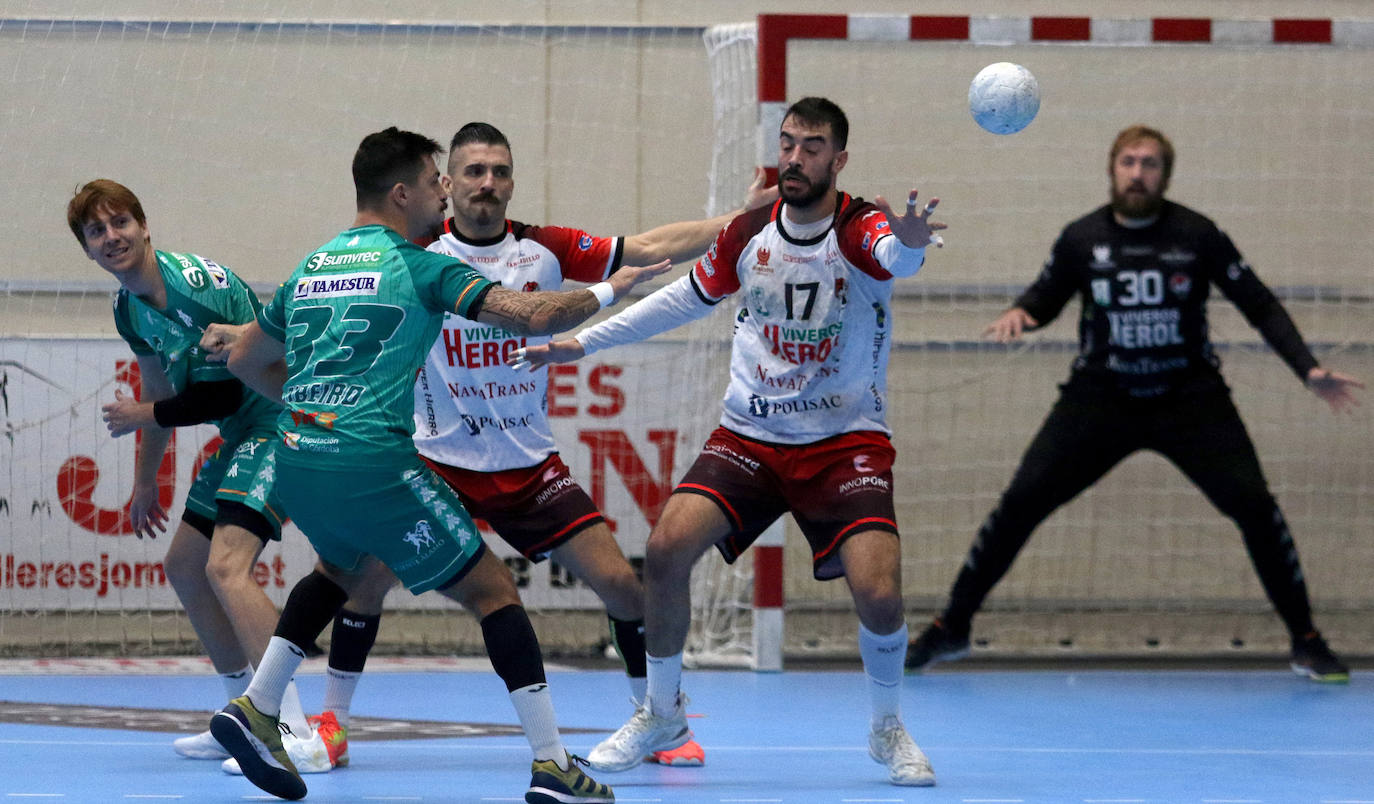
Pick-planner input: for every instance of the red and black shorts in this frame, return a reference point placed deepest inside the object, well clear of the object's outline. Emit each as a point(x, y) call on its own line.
point(834, 488)
point(534, 509)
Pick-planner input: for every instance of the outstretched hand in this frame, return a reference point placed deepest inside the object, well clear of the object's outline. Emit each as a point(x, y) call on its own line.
point(534, 357)
point(1008, 326)
point(1335, 387)
point(628, 276)
point(915, 228)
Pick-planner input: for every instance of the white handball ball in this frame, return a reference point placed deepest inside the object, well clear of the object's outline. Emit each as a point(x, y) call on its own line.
point(1003, 98)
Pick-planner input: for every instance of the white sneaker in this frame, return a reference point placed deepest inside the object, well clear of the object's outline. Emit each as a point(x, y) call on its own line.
point(199, 746)
point(890, 745)
point(309, 755)
point(641, 736)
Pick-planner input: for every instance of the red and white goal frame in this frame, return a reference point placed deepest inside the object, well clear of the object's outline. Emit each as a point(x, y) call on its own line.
point(771, 38)
point(777, 31)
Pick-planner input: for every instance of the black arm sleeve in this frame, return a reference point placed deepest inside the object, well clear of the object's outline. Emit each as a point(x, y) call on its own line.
point(199, 402)
point(1261, 308)
point(1048, 294)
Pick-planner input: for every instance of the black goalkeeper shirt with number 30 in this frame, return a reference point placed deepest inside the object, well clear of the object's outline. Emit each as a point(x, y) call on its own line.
point(1143, 326)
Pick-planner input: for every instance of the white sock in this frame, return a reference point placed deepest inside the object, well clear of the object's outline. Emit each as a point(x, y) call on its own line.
point(639, 687)
point(273, 675)
point(236, 682)
point(665, 679)
point(883, 658)
point(534, 709)
point(291, 712)
point(339, 686)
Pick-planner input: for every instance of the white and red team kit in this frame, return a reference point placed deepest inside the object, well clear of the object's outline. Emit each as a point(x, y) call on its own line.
point(471, 409)
point(813, 332)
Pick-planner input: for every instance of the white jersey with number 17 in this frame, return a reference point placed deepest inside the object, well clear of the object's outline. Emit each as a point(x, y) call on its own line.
point(813, 331)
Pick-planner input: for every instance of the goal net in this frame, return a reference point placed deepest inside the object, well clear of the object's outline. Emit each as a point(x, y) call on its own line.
point(1270, 119)
point(236, 130)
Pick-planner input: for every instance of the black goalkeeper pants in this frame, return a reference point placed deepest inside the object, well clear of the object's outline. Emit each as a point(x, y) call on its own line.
point(1088, 432)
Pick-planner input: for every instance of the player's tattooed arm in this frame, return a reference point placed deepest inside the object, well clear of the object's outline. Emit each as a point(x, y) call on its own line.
point(539, 312)
point(548, 312)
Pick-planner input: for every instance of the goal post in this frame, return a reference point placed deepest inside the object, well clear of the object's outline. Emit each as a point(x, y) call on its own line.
point(241, 150)
point(236, 133)
point(1270, 118)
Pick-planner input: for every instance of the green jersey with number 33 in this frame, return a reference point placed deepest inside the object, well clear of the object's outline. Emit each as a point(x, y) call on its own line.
point(357, 318)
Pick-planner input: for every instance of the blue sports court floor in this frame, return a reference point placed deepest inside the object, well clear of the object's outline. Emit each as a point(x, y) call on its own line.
point(994, 737)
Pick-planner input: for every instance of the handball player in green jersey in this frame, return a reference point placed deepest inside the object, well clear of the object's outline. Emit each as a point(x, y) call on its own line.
point(339, 345)
point(165, 301)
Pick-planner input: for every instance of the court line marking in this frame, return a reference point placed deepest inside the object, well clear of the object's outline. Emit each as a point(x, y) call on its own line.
point(422, 743)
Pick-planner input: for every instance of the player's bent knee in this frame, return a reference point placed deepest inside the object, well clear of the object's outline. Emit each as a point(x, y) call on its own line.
point(666, 558)
point(623, 596)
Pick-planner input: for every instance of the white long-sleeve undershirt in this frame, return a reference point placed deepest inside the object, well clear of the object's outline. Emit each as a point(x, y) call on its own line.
point(667, 308)
point(677, 303)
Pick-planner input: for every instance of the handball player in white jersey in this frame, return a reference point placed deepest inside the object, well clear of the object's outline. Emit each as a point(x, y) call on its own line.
point(803, 428)
point(485, 429)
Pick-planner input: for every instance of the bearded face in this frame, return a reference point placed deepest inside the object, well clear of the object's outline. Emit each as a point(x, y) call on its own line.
point(800, 190)
point(808, 162)
point(1138, 180)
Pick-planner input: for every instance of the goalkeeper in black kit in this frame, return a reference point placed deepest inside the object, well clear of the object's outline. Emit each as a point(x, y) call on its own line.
point(1146, 377)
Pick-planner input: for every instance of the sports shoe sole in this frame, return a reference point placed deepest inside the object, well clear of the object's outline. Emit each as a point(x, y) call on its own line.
point(668, 745)
point(543, 795)
point(1330, 678)
point(237, 739)
point(672, 757)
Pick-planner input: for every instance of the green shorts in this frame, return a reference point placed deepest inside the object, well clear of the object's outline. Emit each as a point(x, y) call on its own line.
point(406, 516)
point(244, 473)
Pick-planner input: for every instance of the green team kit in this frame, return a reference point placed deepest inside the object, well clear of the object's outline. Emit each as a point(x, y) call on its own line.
point(357, 318)
point(199, 293)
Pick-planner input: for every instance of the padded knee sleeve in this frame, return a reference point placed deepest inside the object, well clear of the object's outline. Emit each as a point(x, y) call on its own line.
point(513, 648)
point(312, 604)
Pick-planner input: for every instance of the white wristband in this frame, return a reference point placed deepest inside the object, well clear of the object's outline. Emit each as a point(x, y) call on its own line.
point(604, 293)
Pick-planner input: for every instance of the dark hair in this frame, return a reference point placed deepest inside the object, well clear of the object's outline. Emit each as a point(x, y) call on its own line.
point(387, 158)
point(1133, 134)
point(481, 133)
point(100, 194)
point(822, 111)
